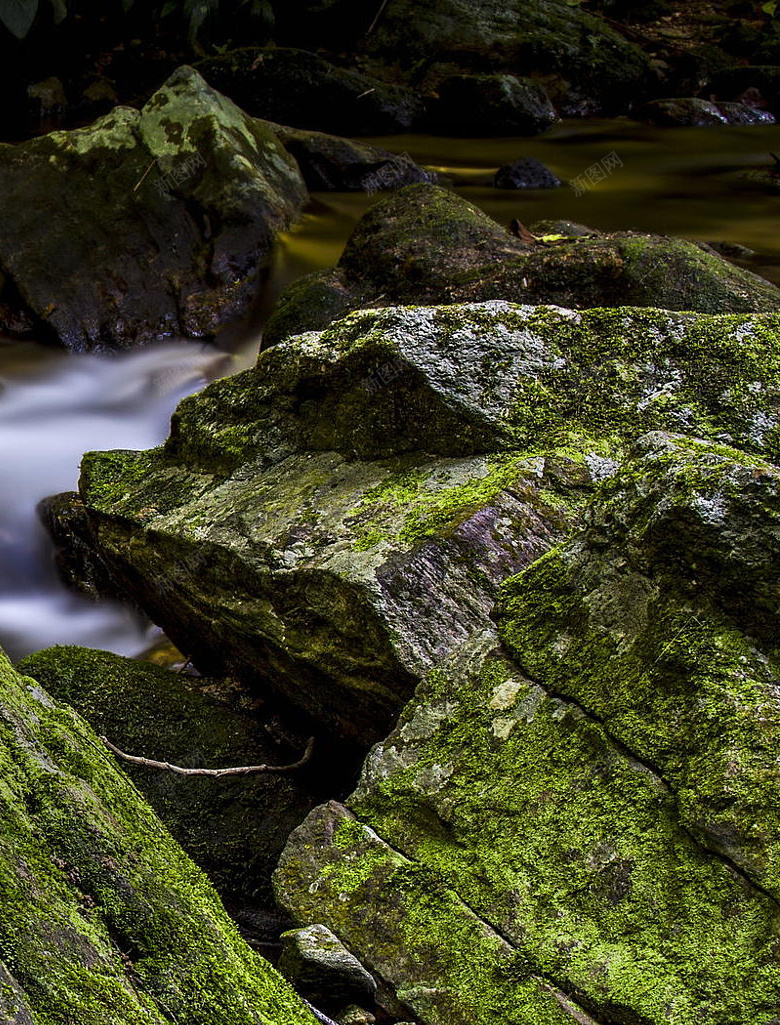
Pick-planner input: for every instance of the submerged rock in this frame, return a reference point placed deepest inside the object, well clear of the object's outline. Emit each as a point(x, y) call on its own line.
point(104, 919)
point(144, 224)
point(526, 173)
point(332, 523)
point(233, 828)
point(424, 244)
point(587, 826)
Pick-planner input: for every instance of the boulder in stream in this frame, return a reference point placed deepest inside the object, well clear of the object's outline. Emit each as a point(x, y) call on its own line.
point(144, 225)
point(303, 89)
point(330, 524)
point(334, 164)
point(425, 244)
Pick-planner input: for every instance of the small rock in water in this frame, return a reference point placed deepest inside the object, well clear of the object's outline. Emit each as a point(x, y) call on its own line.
point(526, 173)
point(692, 111)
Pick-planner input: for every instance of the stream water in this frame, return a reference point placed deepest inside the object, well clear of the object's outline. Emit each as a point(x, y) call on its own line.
point(54, 407)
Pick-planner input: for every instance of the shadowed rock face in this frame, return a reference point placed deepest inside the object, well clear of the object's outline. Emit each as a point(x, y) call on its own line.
point(424, 244)
point(303, 89)
point(144, 224)
point(104, 920)
point(583, 823)
point(335, 521)
point(233, 828)
point(545, 37)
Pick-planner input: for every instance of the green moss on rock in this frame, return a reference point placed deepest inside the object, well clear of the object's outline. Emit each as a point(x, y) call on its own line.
point(104, 920)
point(662, 621)
point(527, 867)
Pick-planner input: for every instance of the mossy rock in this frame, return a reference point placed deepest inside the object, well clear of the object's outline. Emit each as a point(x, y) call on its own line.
point(233, 828)
point(673, 592)
point(540, 37)
point(104, 919)
point(505, 860)
point(331, 522)
point(423, 244)
point(188, 191)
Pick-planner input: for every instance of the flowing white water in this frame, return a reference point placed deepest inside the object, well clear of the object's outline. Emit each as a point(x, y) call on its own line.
point(53, 408)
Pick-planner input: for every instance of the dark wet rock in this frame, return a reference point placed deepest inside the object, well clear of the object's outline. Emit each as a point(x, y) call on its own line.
point(330, 524)
point(732, 250)
point(233, 828)
point(332, 163)
point(481, 105)
point(78, 564)
point(742, 114)
point(695, 112)
point(526, 173)
point(104, 919)
point(295, 87)
point(144, 225)
point(424, 244)
point(47, 104)
point(541, 37)
point(322, 969)
point(755, 85)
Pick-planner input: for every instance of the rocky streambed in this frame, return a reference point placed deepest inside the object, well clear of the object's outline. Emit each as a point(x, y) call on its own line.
point(479, 555)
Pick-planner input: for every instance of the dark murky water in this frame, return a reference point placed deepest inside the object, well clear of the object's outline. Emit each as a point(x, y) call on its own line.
point(55, 407)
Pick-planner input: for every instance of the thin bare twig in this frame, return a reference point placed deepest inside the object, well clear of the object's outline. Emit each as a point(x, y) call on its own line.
point(372, 26)
point(241, 770)
point(138, 185)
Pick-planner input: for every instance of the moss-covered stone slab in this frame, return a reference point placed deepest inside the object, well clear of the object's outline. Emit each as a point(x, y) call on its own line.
point(662, 621)
point(332, 522)
point(233, 828)
point(505, 860)
point(423, 244)
point(143, 225)
point(103, 919)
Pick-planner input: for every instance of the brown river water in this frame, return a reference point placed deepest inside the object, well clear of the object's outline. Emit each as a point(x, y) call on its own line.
point(54, 407)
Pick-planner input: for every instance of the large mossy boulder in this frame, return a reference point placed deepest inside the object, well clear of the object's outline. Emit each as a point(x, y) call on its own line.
point(104, 920)
point(143, 225)
point(583, 824)
point(302, 89)
point(233, 828)
point(425, 244)
point(333, 522)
